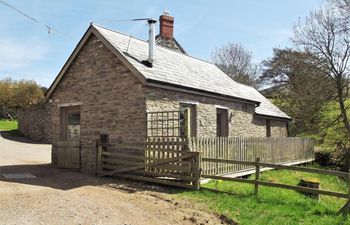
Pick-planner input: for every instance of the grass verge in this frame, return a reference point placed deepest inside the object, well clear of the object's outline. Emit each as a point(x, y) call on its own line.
point(6, 125)
point(274, 206)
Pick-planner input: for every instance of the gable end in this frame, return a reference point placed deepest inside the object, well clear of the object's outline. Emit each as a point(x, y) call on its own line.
point(91, 31)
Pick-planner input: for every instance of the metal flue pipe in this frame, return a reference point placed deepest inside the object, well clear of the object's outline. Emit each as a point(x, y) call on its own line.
point(151, 40)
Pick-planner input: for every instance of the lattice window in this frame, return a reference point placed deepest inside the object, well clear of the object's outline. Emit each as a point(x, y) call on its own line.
point(163, 124)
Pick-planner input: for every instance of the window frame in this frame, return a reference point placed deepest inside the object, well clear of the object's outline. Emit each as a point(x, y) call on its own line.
point(190, 118)
point(65, 112)
point(268, 128)
point(222, 122)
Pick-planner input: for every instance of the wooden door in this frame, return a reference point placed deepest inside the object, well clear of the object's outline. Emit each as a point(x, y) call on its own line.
point(68, 148)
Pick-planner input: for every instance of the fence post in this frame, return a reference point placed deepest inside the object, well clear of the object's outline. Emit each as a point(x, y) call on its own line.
point(98, 158)
point(349, 187)
point(346, 208)
point(257, 175)
point(197, 171)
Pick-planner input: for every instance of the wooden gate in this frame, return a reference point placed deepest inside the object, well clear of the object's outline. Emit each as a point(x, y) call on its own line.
point(68, 154)
point(68, 148)
point(159, 161)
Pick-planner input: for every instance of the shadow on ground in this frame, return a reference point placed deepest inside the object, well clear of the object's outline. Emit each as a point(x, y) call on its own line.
point(15, 135)
point(62, 179)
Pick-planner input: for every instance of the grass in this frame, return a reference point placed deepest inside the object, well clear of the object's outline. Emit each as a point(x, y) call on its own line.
point(7, 125)
point(274, 206)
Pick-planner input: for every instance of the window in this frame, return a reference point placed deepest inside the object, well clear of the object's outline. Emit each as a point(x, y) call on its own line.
point(73, 125)
point(268, 128)
point(70, 123)
point(188, 120)
point(221, 122)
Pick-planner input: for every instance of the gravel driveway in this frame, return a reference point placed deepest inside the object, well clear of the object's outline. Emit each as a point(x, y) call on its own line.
point(66, 197)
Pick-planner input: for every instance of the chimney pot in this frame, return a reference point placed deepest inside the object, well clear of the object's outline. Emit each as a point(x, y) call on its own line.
point(166, 24)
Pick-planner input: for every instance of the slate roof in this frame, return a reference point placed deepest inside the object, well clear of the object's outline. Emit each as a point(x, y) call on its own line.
point(266, 108)
point(179, 69)
point(175, 69)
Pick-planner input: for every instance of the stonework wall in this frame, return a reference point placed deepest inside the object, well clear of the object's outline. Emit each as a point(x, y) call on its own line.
point(278, 128)
point(34, 122)
point(241, 116)
point(111, 101)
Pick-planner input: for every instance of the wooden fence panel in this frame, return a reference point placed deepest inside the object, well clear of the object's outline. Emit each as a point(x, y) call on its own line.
point(273, 150)
point(161, 160)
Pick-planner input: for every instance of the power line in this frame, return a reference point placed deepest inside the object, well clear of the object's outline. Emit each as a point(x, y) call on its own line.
point(125, 20)
point(49, 28)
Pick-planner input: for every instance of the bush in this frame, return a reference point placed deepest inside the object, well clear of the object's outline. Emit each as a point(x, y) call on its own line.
point(336, 157)
point(324, 158)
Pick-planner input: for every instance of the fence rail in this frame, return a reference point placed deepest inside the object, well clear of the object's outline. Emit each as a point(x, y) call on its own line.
point(163, 161)
point(257, 164)
point(273, 150)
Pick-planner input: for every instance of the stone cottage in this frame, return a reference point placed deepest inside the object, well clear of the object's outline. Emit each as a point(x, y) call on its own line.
point(107, 89)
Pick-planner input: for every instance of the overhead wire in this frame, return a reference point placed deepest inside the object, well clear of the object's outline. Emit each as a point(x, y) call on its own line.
point(49, 28)
point(132, 33)
point(124, 20)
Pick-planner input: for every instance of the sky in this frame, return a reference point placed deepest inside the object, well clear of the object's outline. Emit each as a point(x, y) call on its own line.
point(28, 51)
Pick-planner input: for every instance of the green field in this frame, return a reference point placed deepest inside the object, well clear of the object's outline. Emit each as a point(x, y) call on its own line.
point(274, 206)
point(8, 125)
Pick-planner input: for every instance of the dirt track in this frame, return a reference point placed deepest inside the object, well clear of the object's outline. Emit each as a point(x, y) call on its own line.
point(67, 197)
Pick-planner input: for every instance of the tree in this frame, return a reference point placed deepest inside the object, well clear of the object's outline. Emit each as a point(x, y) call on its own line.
point(299, 87)
point(236, 62)
point(16, 94)
point(27, 92)
point(326, 33)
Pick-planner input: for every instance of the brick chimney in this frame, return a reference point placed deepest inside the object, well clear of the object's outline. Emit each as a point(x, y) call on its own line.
point(166, 25)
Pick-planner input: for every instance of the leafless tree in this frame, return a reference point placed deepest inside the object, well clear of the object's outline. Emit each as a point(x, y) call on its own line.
point(326, 33)
point(237, 62)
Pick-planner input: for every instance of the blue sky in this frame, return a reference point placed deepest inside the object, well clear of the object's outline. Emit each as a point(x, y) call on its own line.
point(27, 51)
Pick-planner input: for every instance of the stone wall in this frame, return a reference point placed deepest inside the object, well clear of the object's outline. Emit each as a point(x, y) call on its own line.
point(242, 121)
point(111, 101)
point(34, 122)
point(279, 128)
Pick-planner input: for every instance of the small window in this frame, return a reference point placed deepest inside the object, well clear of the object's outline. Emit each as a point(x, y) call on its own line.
point(268, 128)
point(73, 125)
point(70, 123)
point(104, 138)
point(245, 106)
point(188, 118)
point(221, 122)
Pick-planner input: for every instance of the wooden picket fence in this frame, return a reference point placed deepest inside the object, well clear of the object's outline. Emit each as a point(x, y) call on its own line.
point(161, 160)
point(177, 161)
point(292, 150)
point(181, 162)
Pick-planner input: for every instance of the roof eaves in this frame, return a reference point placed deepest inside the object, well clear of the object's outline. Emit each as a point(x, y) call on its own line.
point(212, 94)
point(272, 117)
